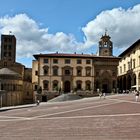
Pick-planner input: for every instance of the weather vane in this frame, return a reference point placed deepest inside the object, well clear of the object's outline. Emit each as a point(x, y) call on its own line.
point(10, 32)
point(105, 31)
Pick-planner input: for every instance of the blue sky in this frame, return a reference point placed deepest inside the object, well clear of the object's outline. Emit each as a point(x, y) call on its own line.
point(46, 26)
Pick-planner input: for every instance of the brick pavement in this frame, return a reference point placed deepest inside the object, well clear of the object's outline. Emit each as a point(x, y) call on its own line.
point(114, 118)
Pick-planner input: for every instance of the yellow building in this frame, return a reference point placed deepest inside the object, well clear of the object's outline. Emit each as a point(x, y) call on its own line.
point(15, 79)
point(84, 73)
point(129, 68)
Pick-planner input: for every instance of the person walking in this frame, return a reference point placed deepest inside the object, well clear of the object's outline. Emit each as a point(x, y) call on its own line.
point(104, 94)
point(136, 95)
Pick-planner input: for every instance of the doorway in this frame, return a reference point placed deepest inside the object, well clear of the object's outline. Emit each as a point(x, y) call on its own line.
point(67, 86)
point(44, 98)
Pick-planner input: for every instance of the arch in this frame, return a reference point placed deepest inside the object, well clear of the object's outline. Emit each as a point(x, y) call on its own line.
point(139, 81)
point(79, 84)
point(55, 85)
point(67, 86)
point(124, 82)
point(106, 84)
point(46, 70)
point(79, 71)
point(46, 85)
point(88, 71)
point(55, 70)
point(134, 79)
point(129, 82)
point(88, 85)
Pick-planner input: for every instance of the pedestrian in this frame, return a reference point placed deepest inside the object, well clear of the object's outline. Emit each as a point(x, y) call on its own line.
point(38, 102)
point(104, 94)
point(100, 94)
point(136, 95)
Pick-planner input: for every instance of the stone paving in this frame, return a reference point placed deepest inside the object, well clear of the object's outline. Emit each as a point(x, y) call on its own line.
point(115, 118)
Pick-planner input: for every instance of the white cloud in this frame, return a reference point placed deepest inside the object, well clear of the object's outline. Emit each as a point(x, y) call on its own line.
point(123, 26)
point(31, 39)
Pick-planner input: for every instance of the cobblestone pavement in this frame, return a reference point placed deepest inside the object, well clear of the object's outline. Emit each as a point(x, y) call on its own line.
point(115, 118)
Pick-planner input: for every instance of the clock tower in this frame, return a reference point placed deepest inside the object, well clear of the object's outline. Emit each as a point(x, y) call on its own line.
point(105, 46)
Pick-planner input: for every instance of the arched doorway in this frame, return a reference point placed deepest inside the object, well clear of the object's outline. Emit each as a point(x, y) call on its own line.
point(67, 86)
point(105, 86)
point(124, 83)
point(129, 82)
point(106, 83)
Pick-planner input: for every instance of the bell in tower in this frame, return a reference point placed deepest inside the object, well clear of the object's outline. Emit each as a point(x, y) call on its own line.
point(105, 45)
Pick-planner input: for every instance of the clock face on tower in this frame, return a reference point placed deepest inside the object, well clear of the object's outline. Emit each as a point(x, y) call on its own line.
point(105, 52)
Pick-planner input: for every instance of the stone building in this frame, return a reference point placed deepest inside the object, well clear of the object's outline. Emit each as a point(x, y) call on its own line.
point(15, 79)
point(129, 68)
point(84, 73)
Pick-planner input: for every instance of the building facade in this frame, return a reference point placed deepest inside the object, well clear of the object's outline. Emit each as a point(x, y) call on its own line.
point(129, 68)
point(84, 73)
point(15, 79)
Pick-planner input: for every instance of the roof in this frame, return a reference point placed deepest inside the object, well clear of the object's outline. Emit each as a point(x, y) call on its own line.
point(66, 55)
point(6, 71)
point(130, 48)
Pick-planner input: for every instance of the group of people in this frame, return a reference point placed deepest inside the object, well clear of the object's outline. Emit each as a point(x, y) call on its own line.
point(102, 94)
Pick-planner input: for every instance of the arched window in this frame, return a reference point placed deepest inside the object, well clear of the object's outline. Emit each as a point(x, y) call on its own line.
point(55, 70)
point(79, 71)
point(46, 70)
point(55, 85)
point(79, 85)
point(88, 71)
point(88, 85)
point(46, 85)
point(67, 70)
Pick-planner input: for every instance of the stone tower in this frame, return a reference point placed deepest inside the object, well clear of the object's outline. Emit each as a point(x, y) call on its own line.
point(105, 46)
point(8, 48)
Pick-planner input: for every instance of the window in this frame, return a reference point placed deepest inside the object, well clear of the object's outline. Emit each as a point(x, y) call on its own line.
point(79, 61)
point(36, 72)
point(120, 70)
point(5, 39)
point(139, 60)
point(9, 54)
point(67, 72)
point(129, 65)
point(5, 47)
point(55, 85)
point(5, 64)
point(46, 85)
point(5, 54)
point(9, 47)
point(88, 71)
point(67, 61)
point(55, 71)
point(45, 60)
point(133, 63)
point(79, 71)
point(55, 61)
point(35, 88)
point(88, 85)
point(46, 70)
point(124, 67)
point(114, 74)
point(79, 85)
point(114, 84)
point(27, 93)
point(88, 61)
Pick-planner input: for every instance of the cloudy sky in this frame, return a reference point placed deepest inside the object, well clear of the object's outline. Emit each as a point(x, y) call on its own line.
point(68, 26)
